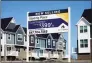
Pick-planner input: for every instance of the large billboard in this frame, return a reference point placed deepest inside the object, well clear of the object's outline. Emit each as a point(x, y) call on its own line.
point(53, 21)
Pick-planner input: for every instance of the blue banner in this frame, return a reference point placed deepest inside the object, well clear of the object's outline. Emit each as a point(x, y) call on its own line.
point(48, 12)
point(50, 23)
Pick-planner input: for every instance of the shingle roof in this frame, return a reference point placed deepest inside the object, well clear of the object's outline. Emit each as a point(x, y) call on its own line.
point(15, 29)
point(25, 30)
point(5, 22)
point(42, 35)
point(87, 14)
point(55, 35)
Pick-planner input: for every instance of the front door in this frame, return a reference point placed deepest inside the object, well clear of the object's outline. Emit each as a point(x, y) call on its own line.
point(41, 52)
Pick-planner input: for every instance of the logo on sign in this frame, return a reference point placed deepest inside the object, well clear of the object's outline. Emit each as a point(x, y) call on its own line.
point(63, 26)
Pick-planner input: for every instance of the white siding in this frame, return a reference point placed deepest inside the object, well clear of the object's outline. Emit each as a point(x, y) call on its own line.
point(83, 36)
point(3, 40)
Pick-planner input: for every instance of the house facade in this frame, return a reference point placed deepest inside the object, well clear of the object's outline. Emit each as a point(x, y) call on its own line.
point(48, 46)
point(84, 39)
point(12, 38)
point(14, 42)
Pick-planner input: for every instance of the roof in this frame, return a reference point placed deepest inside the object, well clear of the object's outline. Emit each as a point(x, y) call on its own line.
point(25, 29)
point(87, 14)
point(55, 35)
point(15, 29)
point(5, 22)
point(42, 35)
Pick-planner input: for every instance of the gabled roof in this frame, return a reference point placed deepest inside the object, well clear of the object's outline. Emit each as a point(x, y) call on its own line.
point(42, 35)
point(87, 14)
point(5, 22)
point(16, 28)
point(55, 35)
point(25, 29)
point(13, 30)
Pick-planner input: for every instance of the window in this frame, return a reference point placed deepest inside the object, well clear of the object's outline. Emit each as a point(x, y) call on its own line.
point(58, 53)
point(18, 49)
point(81, 29)
point(8, 48)
point(49, 41)
point(9, 37)
point(1, 47)
point(32, 39)
point(52, 52)
point(1, 36)
point(37, 41)
point(19, 37)
point(25, 38)
point(85, 28)
point(84, 43)
point(53, 42)
point(41, 52)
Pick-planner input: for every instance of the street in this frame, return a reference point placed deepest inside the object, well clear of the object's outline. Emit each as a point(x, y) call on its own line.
point(51, 61)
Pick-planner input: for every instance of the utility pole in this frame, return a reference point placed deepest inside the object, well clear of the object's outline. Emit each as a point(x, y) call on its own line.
point(0, 34)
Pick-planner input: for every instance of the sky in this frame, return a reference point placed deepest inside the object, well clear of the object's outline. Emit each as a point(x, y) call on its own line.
point(19, 9)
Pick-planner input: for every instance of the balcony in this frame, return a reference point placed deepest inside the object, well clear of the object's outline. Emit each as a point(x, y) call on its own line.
point(12, 53)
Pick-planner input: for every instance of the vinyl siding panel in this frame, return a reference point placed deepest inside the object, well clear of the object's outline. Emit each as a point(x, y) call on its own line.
point(42, 43)
point(11, 26)
point(19, 31)
point(90, 31)
point(11, 40)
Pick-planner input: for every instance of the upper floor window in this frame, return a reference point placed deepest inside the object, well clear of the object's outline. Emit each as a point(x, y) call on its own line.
point(1, 36)
point(53, 42)
point(83, 29)
point(83, 43)
point(9, 37)
point(37, 41)
point(19, 37)
point(49, 41)
point(32, 39)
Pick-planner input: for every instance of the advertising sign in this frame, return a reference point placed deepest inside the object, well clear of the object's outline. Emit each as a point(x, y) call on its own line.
point(53, 21)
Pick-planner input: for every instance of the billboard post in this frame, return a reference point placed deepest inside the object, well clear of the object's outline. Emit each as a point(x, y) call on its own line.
point(27, 45)
point(69, 36)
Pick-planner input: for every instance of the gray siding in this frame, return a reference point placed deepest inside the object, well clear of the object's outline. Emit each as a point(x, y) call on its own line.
point(42, 43)
point(11, 26)
point(90, 31)
point(37, 45)
point(20, 31)
point(12, 39)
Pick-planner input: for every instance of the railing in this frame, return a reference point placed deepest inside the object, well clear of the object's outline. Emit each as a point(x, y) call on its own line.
point(12, 53)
